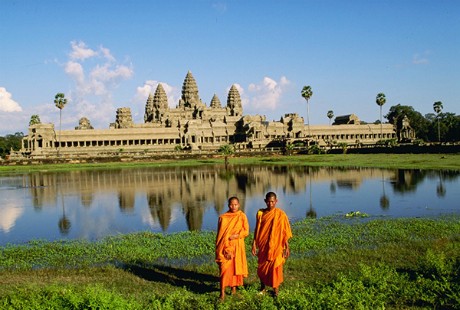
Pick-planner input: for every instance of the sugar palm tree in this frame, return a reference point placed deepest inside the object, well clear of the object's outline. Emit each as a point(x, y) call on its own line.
point(226, 150)
point(380, 100)
point(60, 101)
point(34, 119)
point(330, 115)
point(437, 107)
point(306, 94)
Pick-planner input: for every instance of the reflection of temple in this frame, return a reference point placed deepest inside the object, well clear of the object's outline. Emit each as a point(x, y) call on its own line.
point(194, 126)
point(193, 191)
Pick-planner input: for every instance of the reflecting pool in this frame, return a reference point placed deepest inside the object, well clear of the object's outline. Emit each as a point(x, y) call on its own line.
point(98, 203)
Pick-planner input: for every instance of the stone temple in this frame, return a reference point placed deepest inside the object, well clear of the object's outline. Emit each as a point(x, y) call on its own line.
point(194, 127)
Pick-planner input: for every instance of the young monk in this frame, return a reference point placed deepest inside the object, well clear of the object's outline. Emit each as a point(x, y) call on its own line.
point(232, 228)
point(270, 243)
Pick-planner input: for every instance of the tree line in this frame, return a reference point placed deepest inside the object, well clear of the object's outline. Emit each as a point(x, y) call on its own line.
point(433, 127)
point(10, 142)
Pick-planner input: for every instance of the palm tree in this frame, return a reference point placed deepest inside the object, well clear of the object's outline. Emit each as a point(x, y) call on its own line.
point(380, 100)
point(34, 119)
point(330, 115)
point(289, 147)
point(437, 107)
point(226, 150)
point(306, 94)
point(60, 101)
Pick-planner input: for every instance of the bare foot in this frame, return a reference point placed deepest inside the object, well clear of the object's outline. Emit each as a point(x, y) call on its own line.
point(275, 291)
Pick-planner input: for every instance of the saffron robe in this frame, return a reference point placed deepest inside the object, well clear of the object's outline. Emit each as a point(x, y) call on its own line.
point(233, 270)
point(273, 231)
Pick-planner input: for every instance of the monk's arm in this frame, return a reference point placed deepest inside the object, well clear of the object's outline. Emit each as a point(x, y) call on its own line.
point(286, 251)
point(245, 229)
point(254, 245)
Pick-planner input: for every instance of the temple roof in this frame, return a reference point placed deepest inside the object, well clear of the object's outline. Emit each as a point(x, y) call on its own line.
point(215, 102)
point(160, 99)
point(190, 90)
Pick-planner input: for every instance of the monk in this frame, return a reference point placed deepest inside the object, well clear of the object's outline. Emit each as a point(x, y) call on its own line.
point(232, 228)
point(270, 243)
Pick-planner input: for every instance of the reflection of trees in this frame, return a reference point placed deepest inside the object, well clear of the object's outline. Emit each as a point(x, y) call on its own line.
point(311, 213)
point(407, 180)
point(159, 210)
point(64, 223)
point(332, 188)
point(440, 189)
point(384, 201)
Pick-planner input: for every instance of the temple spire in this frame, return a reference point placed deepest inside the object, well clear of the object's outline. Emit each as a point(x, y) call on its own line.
point(190, 97)
point(215, 102)
point(234, 106)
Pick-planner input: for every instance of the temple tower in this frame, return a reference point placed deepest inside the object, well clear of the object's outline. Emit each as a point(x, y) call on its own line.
point(124, 118)
point(215, 102)
point(234, 106)
point(190, 97)
point(156, 105)
point(148, 115)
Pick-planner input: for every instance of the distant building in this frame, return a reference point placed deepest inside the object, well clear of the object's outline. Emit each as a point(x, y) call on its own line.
point(196, 127)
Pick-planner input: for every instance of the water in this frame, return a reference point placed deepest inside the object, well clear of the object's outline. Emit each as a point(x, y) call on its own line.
point(93, 204)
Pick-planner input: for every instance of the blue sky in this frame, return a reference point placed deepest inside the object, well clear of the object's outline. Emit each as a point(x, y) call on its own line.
point(109, 54)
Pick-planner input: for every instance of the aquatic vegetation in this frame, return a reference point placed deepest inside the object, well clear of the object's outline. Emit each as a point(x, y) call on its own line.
point(335, 264)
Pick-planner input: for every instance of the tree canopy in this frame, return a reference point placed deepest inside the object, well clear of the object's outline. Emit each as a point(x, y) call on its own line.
point(9, 142)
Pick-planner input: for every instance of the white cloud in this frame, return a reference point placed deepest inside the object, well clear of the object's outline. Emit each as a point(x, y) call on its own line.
point(75, 70)
point(106, 53)
point(94, 83)
point(7, 104)
point(80, 51)
point(267, 94)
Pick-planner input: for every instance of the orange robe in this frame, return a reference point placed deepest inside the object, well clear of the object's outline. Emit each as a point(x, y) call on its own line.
point(272, 233)
point(232, 271)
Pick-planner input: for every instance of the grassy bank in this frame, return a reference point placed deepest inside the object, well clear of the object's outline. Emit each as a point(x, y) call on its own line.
point(336, 263)
point(402, 161)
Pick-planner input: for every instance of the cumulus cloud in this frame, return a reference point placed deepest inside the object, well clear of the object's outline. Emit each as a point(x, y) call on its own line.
point(80, 51)
point(267, 93)
point(96, 73)
point(7, 104)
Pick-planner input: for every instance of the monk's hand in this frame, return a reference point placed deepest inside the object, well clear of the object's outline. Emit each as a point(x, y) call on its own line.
point(234, 236)
point(254, 250)
point(286, 252)
point(228, 256)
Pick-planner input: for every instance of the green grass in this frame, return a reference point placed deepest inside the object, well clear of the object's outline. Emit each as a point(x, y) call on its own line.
point(401, 161)
point(336, 263)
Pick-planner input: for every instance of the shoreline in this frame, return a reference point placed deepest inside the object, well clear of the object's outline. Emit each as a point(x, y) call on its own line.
point(450, 161)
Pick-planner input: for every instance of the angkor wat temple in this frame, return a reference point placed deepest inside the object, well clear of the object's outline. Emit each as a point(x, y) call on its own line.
point(195, 127)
